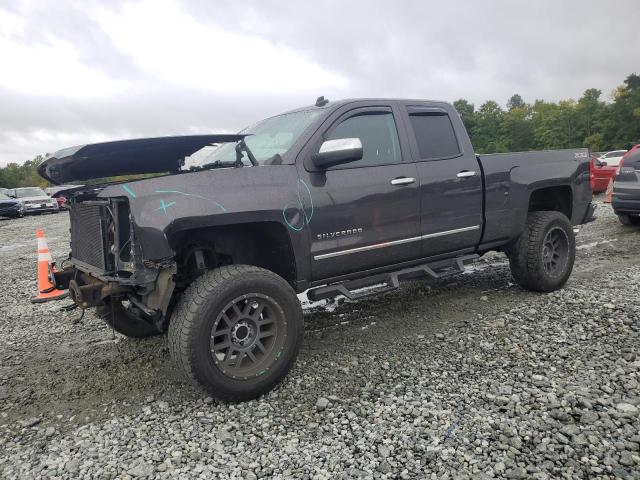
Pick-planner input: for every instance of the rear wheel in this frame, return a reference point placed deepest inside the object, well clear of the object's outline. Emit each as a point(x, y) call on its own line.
point(629, 220)
point(236, 331)
point(542, 258)
point(125, 322)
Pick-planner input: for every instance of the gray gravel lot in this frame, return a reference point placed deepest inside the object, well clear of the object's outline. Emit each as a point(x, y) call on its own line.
point(467, 378)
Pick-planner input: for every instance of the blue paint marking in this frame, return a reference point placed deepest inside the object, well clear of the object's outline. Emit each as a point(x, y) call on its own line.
point(306, 216)
point(129, 191)
point(178, 192)
point(164, 206)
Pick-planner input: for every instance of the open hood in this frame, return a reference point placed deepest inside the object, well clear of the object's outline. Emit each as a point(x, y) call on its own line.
point(125, 157)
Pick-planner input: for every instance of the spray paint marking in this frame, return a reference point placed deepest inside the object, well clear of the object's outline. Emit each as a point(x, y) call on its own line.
point(306, 220)
point(178, 192)
point(164, 206)
point(129, 191)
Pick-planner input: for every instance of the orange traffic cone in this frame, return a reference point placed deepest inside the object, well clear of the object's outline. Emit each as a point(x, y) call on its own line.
point(609, 192)
point(46, 288)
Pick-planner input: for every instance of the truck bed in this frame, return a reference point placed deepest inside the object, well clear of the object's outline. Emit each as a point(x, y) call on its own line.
point(511, 177)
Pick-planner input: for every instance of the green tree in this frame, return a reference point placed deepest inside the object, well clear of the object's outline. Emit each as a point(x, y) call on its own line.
point(466, 111)
point(25, 175)
point(516, 129)
point(622, 125)
point(515, 101)
point(486, 132)
point(556, 125)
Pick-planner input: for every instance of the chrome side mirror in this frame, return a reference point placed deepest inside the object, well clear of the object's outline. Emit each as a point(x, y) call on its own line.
point(338, 151)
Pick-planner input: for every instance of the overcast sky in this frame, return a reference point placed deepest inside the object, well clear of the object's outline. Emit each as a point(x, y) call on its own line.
point(73, 72)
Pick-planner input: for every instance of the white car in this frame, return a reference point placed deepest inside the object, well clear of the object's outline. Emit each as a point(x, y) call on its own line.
point(612, 159)
point(34, 200)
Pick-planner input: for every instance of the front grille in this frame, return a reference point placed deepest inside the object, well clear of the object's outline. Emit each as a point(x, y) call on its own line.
point(88, 234)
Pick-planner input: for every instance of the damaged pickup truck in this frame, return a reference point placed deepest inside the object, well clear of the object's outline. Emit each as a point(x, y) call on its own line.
point(328, 198)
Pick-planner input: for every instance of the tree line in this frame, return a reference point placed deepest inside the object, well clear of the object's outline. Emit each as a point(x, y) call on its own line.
point(589, 122)
point(14, 175)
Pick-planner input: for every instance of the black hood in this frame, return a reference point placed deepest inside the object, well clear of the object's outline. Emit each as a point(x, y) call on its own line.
point(125, 157)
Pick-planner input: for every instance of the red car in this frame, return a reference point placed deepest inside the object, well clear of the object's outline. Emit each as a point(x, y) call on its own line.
point(600, 174)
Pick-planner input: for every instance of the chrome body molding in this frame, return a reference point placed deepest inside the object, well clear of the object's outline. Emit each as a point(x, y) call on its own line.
point(395, 242)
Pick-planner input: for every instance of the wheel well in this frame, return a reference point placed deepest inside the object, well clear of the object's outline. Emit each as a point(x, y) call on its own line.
point(261, 244)
point(559, 199)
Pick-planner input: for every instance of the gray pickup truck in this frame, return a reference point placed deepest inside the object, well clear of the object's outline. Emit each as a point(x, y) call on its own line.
point(328, 198)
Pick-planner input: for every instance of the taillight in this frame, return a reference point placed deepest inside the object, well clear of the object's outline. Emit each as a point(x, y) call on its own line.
point(620, 165)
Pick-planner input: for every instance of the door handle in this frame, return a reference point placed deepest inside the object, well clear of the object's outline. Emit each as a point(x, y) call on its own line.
point(403, 181)
point(466, 174)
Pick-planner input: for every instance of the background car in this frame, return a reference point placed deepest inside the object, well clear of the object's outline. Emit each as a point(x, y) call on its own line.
point(612, 158)
point(34, 200)
point(60, 198)
point(625, 198)
point(51, 191)
point(10, 207)
point(600, 174)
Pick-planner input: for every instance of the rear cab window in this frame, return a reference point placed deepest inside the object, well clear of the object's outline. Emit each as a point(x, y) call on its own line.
point(434, 133)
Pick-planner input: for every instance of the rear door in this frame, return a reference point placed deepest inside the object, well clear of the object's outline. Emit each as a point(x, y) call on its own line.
point(451, 192)
point(365, 213)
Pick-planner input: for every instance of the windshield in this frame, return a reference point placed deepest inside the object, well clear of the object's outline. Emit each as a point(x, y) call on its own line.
point(617, 153)
point(29, 192)
point(267, 138)
point(4, 197)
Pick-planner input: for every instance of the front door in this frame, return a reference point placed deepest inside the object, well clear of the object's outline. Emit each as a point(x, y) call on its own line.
point(365, 213)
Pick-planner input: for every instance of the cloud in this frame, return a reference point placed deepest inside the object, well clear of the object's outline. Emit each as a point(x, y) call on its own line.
point(76, 71)
point(188, 54)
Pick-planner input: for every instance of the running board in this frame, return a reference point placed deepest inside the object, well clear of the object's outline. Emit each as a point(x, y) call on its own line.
point(391, 281)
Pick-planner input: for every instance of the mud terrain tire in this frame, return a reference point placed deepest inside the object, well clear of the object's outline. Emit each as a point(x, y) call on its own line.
point(236, 331)
point(542, 258)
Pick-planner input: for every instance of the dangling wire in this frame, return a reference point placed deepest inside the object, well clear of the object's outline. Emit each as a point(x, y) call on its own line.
point(79, 319)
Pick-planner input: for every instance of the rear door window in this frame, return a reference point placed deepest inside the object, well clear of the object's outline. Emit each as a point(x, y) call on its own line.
point(434, 135)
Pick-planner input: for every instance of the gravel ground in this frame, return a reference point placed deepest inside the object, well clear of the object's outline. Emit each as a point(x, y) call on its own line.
point(467, 378)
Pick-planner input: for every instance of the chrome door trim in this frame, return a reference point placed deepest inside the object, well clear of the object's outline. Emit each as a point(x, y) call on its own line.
point(395, 242)
point(450, 232)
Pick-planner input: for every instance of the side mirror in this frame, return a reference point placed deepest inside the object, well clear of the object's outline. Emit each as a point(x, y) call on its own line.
point(335, 152)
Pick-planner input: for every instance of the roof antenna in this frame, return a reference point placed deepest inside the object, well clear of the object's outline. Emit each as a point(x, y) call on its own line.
point(321, 101)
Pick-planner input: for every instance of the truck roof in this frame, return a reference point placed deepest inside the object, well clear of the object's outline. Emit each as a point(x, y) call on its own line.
point(333, 104)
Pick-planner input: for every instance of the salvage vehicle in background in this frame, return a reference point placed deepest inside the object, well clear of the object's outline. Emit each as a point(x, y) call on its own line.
point(600, 174)
point(34, 200)
point(10, 207)
point(329, 198)
point(57, 192)
point(625, 198)
point(613, 158)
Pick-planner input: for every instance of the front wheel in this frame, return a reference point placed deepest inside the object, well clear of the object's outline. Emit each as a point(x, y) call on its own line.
point(542, 258)
point(236, 331)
